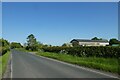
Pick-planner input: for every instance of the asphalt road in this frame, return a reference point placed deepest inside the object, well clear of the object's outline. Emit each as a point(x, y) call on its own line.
point(26, 65)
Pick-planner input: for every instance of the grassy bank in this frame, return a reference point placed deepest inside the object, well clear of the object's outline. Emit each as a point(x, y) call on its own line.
point(106, 64)
point(3, 62)
point(0, 67)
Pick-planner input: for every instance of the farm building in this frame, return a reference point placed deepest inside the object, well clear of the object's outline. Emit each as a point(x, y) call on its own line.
point(86, 42)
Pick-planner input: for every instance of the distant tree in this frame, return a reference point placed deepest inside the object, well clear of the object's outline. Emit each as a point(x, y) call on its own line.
point(64, 45)
point(32, 43)
point(113, 41)
point(101, 39)
point(15, 45)
point(45, 45)
point(95, 38)
point(50, 45)
point(67, 45)
point(39, 45)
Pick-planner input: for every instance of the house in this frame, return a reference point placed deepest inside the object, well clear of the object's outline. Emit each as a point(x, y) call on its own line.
point(86, 42)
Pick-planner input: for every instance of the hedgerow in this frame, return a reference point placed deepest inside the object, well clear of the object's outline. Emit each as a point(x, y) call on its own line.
point(3, 50)
point(87, 51)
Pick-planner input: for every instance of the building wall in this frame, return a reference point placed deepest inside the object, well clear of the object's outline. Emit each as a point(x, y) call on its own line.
point(93, 44)
point(104, 44)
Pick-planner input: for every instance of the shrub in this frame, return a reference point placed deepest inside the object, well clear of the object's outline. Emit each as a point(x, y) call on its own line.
point(3, 50)
point(87, 51)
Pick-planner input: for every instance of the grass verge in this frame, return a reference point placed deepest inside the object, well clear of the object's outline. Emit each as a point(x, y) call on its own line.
point(105, 64)
point(21, 49)
point(0, 67)
point(24, 50)
point(3, 63)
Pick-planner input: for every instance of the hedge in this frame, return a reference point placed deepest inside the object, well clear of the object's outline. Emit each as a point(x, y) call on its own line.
point(3, 50)
point(87, 51)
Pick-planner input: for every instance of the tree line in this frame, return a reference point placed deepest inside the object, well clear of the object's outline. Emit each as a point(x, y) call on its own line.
point(34, 45)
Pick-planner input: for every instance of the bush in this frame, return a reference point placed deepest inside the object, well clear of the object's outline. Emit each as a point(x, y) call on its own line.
point(4, 46)
point(87, 51)
point(3, 50)
point(15, 45)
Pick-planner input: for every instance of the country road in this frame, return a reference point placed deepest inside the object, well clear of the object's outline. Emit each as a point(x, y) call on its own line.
point(26, 65)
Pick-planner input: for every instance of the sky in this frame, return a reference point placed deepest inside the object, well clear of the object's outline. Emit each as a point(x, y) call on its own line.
point(56, 23)
point(119, 21)
point(0, 19)
point(60, 0)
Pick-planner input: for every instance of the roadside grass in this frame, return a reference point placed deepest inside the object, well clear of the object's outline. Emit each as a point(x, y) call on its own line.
point(24, 50)
point(21, 49)
point(0, 67)
point(105, 64)
point(3, 63)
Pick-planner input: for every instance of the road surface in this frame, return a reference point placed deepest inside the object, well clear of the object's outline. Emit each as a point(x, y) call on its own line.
point(26, 65)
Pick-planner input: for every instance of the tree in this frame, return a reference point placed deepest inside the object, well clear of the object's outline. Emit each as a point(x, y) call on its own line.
point(4, 46)
point(95, 38)
point(15, 45)
point(67, 45)
point(45, 45)
point(4, 42)
point(113, 41)
point(64, 45)
point(31, 43)
point(39, 45)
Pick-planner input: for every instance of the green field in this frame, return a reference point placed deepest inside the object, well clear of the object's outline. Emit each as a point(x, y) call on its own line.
point(3, 63)
point(105, 64)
